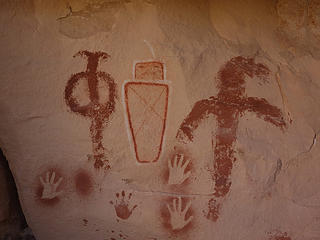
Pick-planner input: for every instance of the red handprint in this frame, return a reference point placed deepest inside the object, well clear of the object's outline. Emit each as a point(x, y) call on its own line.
point(121, 205)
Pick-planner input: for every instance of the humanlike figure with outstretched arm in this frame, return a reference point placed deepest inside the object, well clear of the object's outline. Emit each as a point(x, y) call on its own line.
point(228, 106)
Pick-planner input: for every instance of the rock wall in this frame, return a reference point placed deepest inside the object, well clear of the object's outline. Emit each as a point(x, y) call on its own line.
point(159, 119)
point(13, 225)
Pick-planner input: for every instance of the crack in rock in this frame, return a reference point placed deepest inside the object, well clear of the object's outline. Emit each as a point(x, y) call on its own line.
point(92, 19)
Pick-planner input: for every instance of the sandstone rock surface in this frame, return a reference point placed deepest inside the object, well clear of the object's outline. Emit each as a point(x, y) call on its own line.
point(163, 119)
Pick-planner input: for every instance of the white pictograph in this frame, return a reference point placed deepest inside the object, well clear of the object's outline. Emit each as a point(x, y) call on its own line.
point(177, 170)
point(50, 186)
point(178, 215)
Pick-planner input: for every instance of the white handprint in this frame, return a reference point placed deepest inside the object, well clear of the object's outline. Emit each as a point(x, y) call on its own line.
point(177, 174)
point(50, 187)
point(177, 215)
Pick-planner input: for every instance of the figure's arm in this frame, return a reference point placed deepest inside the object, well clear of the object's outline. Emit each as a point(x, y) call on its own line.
point(265, 111)
point(200, 110)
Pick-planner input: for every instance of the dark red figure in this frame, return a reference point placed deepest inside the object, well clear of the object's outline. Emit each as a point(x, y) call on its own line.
point(99, 113)
point(229, 105)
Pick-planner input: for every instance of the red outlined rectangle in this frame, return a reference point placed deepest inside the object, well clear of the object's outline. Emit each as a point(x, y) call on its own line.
point(146, 106)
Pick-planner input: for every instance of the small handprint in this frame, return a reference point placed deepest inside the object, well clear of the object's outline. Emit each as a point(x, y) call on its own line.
point(122, 205)
point(177, 168)
point(50, 187)
point(178, 215)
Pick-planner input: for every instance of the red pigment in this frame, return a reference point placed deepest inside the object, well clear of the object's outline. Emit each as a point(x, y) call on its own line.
point(149, 71)
point(121, 205)
point(230, 104)
point(279, 236)
point(99, 113)
point(181, 188)
point(47, 202)
point(83, 183)
point(165, 215)
point(213, 210)
point(152, 106)
point(39, 189)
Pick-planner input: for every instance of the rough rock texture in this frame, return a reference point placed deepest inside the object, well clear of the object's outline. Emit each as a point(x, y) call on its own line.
point(163, 119)
point(12, 222)
point(5, 194)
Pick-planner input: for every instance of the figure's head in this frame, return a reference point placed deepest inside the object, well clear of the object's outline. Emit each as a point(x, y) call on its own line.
point(249, 67)
point(234, 71)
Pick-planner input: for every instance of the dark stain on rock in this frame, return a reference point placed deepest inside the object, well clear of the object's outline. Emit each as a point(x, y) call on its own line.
point(85, 222)
point(83, 183)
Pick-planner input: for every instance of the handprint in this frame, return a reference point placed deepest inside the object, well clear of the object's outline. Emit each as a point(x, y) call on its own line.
point(177, 215)
point(122, 205)
point(50, 187)
point(177, 168)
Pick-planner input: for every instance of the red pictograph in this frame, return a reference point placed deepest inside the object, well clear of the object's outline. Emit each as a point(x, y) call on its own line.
point(121, 205)
point(83, 182)
point(149, 71)
point(229, 105)
point(146, 105)
point(99, 113)
point(50, 187)
point(278, 235)
point(177, 215)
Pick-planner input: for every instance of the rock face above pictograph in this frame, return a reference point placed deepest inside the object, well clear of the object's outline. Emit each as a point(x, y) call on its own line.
point(140, 120)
